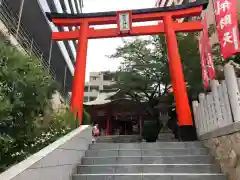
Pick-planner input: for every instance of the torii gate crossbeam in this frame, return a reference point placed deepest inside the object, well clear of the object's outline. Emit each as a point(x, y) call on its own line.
point(124, 20)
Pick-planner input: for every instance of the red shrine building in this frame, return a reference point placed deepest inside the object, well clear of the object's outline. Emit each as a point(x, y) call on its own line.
point(116, 113)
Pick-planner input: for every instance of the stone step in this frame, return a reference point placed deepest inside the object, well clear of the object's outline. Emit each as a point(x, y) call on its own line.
point(166, 140)
point(204, 159)
point(139, 152)
point(148, 168)
point(166, 136)
point(150, 176)
point(119, 139)
point(156, 145)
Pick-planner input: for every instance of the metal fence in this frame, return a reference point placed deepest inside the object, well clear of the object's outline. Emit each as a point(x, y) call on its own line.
point(26, 41)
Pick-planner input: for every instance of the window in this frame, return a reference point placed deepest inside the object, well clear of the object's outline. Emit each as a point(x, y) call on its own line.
point(94, 78)
point(96, 88)
point(106, 87)
point(86, 89)
point(108, 77)
point(92, 98)
point(85, 99)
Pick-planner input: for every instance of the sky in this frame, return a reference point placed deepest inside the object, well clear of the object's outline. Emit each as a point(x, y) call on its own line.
point(98, 49)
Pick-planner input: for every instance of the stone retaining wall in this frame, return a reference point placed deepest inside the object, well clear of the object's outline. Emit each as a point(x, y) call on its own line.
point(224, 144)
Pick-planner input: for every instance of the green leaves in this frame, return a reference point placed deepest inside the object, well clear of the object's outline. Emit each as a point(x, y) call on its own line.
point(142, 69)
point(25, 90)
point(145, 64)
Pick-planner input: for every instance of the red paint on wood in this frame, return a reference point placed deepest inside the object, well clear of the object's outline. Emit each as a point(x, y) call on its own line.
point(79, 74)
point(177, 77)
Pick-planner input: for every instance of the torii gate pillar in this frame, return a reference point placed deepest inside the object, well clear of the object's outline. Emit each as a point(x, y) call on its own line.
point(79, 73)
point(177, 79)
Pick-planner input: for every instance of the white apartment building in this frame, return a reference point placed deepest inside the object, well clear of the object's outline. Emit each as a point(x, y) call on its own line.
point(98, 82)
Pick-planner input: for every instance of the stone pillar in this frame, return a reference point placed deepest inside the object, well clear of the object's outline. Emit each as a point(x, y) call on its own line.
point(199, 119)
point(213, 112)
point(226, 102)
point(222, 106)
point(210, 113)
point(203, 115)
point(195, 114)
point(199, 113)
point(238, 81)
point(207, 118)
point(219, 117)
point(233, 91)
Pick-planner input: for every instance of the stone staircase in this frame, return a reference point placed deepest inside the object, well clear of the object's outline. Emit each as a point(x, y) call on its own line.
point(148, 161)
point(166, 137)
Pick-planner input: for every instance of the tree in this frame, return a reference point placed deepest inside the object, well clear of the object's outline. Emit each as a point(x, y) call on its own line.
point(144, 73)
point(25, 89)
point(137, 77)
point(27, 120)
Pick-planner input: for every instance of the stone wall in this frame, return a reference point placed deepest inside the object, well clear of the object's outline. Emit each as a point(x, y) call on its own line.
point(57, 102)
point(6, 35)
point(57, 161)
point(224, 144)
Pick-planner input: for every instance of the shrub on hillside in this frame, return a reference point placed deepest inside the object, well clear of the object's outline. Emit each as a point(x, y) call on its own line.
point(25, 93)
point(86, 118)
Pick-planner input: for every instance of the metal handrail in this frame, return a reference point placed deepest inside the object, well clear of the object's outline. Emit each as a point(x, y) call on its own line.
point(24, 38)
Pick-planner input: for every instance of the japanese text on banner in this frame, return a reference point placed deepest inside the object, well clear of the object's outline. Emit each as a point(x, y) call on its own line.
point(227, 26)
point(207, 50)
point(203, 62)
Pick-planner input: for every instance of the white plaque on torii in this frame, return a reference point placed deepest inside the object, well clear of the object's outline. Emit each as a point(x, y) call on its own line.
point(124, 21)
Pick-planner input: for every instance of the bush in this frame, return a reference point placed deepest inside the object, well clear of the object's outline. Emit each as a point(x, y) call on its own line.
point(86, 118)
point(151, 129)
point(25, 92)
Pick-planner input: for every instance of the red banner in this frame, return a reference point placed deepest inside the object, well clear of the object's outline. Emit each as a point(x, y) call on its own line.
point(227, 26)
point(207, 50)
point(203, 61)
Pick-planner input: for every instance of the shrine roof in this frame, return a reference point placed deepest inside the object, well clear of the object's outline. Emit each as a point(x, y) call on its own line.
point(107, 98)
point(52, 15)
point(103, 98)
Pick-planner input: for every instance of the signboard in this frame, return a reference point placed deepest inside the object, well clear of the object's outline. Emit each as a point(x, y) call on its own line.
point(207, 50)
point(227, 26)
point(203, 62)
point(124, 21)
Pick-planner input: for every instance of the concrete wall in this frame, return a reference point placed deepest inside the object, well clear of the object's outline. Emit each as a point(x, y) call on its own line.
point(58, 161)
point(10, 37)
point(224, 144)
point(58, 103)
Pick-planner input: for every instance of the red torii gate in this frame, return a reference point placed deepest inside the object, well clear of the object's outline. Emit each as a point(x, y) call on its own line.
point(124, 20)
